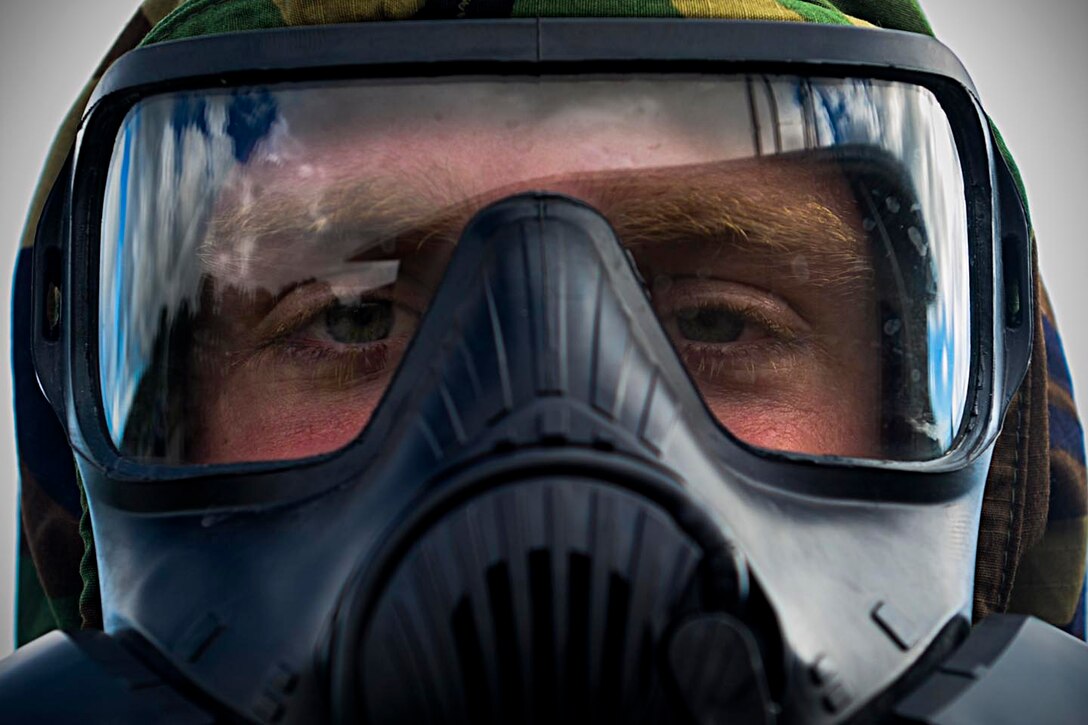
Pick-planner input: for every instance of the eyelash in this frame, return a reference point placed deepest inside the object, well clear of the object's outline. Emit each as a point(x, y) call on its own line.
point(780, 349)
point(749, 313)
point(327, 358)
point(324, 363)
point(738, 361)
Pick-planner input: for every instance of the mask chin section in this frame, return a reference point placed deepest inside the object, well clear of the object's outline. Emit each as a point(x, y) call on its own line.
point(543, 576)
point(559, 599)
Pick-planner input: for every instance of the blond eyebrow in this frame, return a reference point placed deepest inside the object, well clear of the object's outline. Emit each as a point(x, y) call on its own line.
point(774, 210)
point(754, 208)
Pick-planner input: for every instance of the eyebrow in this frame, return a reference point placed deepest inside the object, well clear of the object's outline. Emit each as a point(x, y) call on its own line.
point(775, 210)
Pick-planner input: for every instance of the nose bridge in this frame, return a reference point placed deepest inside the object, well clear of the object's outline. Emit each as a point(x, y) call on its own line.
point(542, 305)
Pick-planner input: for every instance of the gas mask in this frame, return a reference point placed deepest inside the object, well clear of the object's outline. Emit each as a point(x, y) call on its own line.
point(537, 371)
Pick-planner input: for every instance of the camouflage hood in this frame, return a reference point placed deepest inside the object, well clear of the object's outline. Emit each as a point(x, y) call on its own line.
point(1032, 539)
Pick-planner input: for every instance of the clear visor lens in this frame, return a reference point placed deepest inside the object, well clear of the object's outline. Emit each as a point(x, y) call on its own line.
point(267, 253)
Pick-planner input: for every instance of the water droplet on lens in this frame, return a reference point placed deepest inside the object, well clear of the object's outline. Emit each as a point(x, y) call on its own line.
point(662, 284)
point(522, 142)
point(892, 203)
point(892, 326)
point(868, 224)
point(799, 266)
point(918, 241)
point(915, 375)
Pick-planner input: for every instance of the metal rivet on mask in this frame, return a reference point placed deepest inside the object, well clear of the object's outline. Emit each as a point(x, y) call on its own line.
point(823, 671)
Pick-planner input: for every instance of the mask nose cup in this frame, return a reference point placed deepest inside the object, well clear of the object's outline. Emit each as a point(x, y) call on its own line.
point(562, 594)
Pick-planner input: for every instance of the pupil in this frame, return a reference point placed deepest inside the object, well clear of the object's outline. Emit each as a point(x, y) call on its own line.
point(359, 323)
point(710, 325)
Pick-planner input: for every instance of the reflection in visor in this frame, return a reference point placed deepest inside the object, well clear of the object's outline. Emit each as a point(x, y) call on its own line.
point(267, 255)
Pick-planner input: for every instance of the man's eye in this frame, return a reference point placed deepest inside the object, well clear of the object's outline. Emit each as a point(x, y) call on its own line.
point(710, 324)
point(359, 323)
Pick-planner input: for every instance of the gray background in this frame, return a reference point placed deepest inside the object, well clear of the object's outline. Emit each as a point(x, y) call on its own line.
point(1028, 59)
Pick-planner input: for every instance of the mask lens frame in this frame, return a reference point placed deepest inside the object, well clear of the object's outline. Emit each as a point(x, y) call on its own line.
point(68, 366)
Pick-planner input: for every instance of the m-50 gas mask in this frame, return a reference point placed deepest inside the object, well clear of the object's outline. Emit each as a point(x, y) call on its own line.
point(535, 372)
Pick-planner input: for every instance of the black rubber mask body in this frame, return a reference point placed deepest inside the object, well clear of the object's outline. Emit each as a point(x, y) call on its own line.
point(544, 523)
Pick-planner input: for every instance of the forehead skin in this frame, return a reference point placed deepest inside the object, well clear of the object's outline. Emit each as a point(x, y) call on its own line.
point(665, 190)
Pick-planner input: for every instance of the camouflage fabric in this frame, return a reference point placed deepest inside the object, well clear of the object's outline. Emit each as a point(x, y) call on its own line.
point(1034, 532)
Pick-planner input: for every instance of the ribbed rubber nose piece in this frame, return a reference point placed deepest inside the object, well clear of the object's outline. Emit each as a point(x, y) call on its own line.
point(548, 601)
